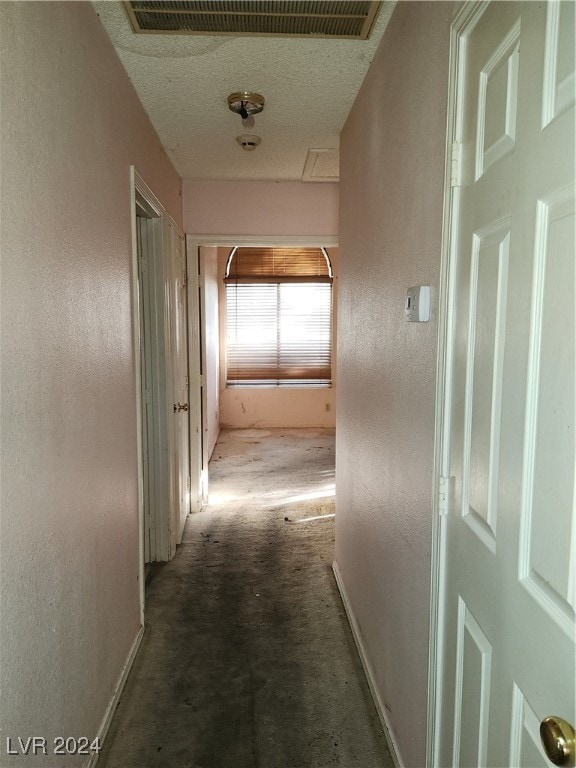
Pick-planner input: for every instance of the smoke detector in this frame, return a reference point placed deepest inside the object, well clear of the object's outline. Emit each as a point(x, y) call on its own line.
point(248, 141)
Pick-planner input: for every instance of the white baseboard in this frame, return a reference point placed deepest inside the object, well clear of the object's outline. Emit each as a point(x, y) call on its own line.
point(113, 703)
point(368, 671)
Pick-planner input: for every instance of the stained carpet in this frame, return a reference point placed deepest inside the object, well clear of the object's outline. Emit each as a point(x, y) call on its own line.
point(247, 660)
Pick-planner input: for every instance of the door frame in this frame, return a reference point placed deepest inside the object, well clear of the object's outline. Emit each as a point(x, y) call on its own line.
point(160, 377)
point(139, 187)
point(172, 232)
point(461, 27)
point(195, 284)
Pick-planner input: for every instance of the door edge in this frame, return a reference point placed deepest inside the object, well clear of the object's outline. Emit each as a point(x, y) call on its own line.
point(461, 27)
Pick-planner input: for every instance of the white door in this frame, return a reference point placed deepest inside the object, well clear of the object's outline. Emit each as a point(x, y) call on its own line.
point(195, 373)
point(180, 401)
point(509, 562)
point(205, 382)
point(151, 288)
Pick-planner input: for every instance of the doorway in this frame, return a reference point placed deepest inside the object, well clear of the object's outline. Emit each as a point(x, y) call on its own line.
point(149, 252)
point(220, 404)
point(162, 365)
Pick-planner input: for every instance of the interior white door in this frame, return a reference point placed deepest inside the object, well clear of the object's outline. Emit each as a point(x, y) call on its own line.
point(509, 560)
point(195, 373)
point(155, 480)
point(142, 231)
point(179, 366)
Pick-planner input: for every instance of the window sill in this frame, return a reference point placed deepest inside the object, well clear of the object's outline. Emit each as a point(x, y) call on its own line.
point(268, 385)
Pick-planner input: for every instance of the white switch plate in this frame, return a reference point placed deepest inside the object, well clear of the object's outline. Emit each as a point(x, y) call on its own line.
point(417, 307)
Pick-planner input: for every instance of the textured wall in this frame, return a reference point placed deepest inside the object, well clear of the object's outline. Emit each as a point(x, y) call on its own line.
point(276, 407)
point(71, 126)
point(291, 209)
point(392, 166)
point(260, 208)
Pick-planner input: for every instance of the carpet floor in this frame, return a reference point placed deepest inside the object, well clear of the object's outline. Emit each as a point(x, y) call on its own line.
point(248, 660)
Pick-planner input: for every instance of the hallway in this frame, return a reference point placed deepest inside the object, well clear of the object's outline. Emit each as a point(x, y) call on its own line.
point(247, 660)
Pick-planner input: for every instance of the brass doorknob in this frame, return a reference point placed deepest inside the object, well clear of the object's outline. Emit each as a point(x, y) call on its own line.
point(559, 741)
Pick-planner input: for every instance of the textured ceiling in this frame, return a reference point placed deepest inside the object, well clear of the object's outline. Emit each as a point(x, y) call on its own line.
point(183, 82)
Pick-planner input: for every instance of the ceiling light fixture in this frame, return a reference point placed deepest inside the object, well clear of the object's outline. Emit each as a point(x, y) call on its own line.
point(246, 105)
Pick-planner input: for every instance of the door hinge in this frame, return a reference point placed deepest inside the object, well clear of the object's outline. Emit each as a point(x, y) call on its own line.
point(443, 496)
point(456, 164)
point(188, 484)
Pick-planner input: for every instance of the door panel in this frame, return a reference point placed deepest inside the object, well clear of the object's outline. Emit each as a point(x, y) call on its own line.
point(510, 553)
point(488, 299)
point(525, 747)
point(473, 674)
point(498, 100)
point(547, 552)
point(559, 66)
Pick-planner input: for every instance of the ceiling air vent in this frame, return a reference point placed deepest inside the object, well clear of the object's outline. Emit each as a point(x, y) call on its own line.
point(248, 18)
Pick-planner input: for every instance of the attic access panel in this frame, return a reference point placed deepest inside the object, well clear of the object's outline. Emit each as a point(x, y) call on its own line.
point(251, 18)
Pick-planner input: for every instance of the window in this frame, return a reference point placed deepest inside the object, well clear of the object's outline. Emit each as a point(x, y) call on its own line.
point(279, 317)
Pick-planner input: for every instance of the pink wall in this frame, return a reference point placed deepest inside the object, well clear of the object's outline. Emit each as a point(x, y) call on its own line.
point(71, 127)
point(392, 168)
point(260, 208)
point(275, 209)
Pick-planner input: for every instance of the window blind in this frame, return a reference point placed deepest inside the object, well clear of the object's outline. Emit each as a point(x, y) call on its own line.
point(264, 264)
point(279, 334)
point(279, 317)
